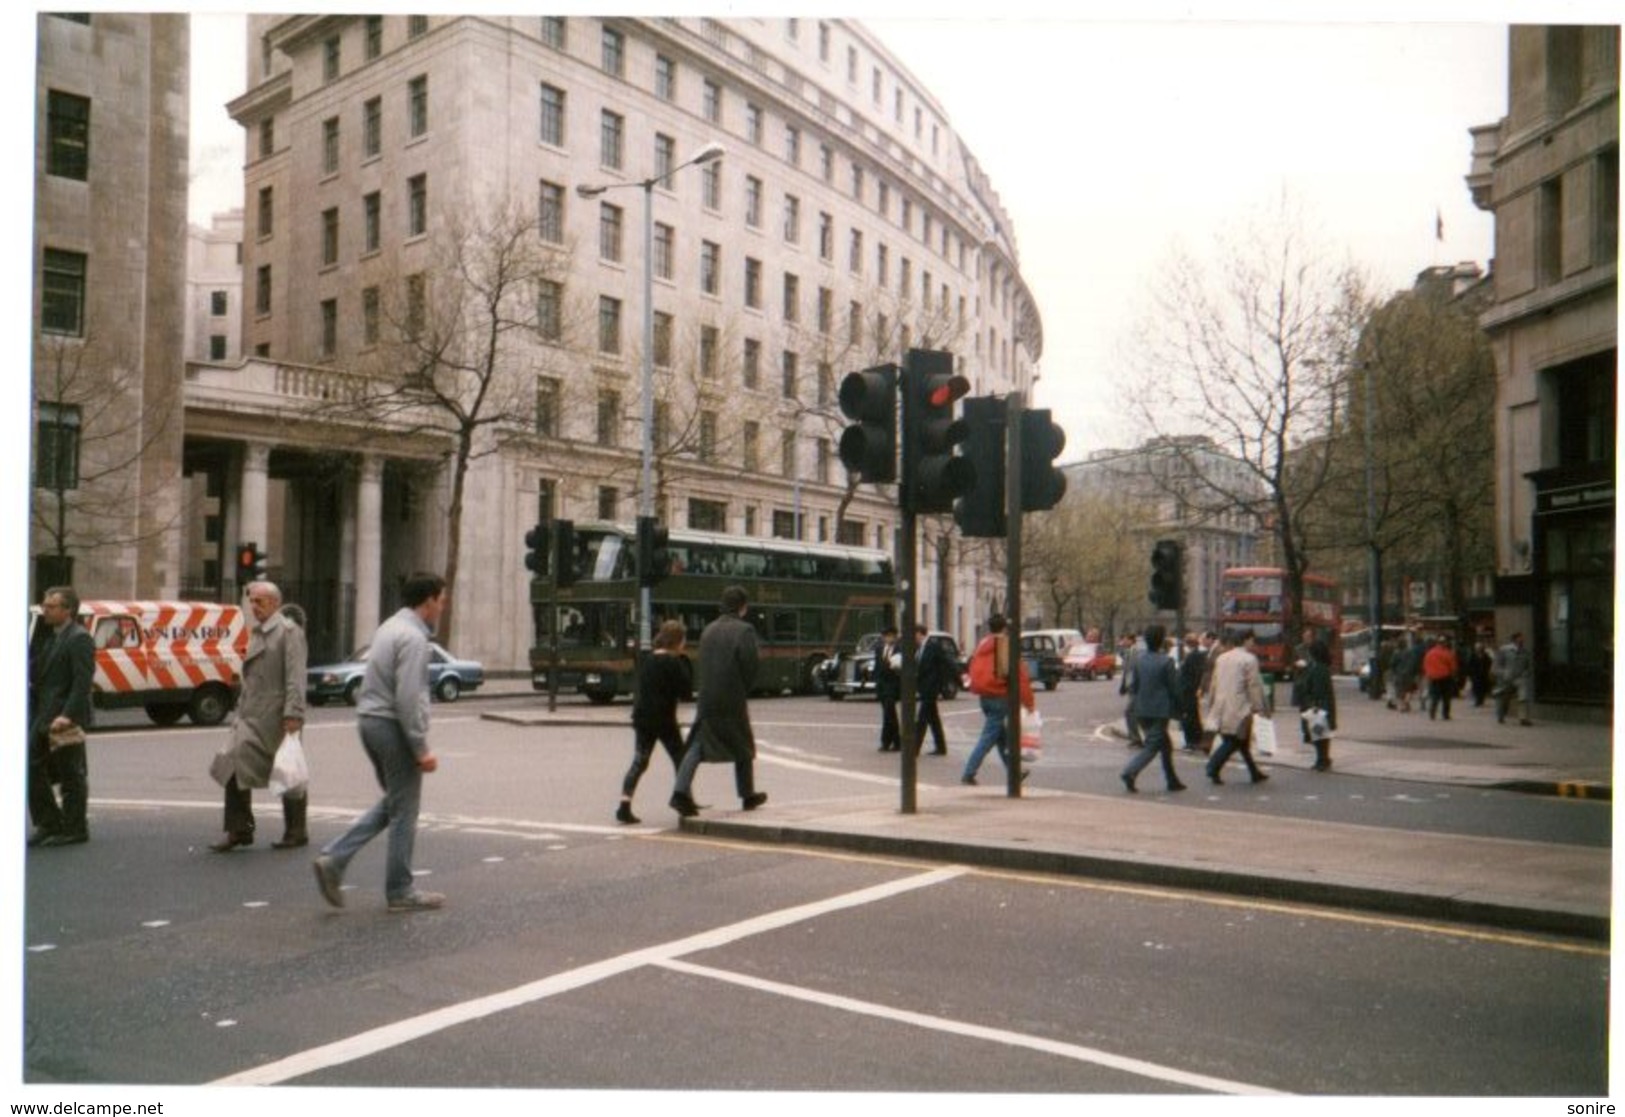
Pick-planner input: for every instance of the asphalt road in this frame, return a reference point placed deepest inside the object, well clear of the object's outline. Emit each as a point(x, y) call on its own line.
point(575, 954)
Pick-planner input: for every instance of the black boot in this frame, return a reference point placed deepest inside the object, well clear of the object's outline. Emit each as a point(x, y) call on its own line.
point(294, 834)
point(1323, 762)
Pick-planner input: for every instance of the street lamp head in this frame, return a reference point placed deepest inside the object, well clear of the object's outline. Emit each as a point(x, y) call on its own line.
point(709, 153)
point(590, 191)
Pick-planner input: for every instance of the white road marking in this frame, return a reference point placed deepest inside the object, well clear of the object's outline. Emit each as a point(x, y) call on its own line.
point(416, 1027)
point(1171, 1075)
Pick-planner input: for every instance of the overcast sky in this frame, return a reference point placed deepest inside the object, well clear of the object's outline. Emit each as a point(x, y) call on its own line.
point(1111, 142)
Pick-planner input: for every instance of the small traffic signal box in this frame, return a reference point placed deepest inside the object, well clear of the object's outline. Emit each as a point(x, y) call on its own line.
point(251, 563)
point(654, 554)
point(869, 445)
point(933, 474)
point(565, 571)
point(536, 549)
point(1042, 484)
point(979, 511)
point(1167, 574)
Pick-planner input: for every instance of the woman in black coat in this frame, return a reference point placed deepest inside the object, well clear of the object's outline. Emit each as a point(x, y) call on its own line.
point(1314, 691)
point(664, 679)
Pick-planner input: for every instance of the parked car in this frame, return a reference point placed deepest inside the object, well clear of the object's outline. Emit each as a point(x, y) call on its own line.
point(1043, 655)
point(449, 677)
point(853, 673)
point(1088, 661)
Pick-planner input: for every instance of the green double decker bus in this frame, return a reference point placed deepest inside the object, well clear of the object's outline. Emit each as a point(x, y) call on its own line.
point(806, 601)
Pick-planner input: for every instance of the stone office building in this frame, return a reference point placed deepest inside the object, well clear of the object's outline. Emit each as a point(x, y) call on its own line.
point(1549, 172)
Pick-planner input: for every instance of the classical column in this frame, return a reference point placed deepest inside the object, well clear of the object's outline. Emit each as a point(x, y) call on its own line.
point(369, 546)
point(252, 515)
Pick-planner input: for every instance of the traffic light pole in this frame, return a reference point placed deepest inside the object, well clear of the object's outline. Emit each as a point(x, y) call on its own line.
point(907, 559)
point(1012, 561)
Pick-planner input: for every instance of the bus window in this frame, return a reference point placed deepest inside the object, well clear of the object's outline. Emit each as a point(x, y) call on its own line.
point(599, 624)
point(781, 626)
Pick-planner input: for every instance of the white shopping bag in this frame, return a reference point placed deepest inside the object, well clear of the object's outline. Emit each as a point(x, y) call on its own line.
point(1032, 739)
point(290, 774)
point(1263, 735)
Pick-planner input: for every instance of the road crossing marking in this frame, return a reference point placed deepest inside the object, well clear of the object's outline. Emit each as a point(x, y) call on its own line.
point(1157, 1071)
point(417, 1027)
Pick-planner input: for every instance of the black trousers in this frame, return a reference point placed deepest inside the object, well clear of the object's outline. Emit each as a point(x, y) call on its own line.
point(1229, 743)
point(239, 814)
point(891, 735)
point(928, 717)
point(643, 746)
point(65, 766)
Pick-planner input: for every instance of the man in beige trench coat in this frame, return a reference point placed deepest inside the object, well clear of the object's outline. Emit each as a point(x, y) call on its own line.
point(271, 705)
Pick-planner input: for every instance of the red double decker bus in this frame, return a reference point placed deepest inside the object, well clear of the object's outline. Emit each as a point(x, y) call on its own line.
point(1254, 599)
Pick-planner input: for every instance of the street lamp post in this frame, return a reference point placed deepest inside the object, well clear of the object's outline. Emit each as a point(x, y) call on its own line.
point(1374, 685)
point(646, 500)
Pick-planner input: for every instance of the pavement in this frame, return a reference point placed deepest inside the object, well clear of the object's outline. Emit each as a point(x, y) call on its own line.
point(1505, 883)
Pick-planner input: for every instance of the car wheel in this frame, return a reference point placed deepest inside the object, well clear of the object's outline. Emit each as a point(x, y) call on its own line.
point(352, 692)
point(600, 697)
point(448, 688)
point(209, 705)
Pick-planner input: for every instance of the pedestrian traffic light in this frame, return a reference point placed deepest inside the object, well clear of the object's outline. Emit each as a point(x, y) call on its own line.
point(869, 446)
point(1167, 574)
point(565, 571)
point(536, 549)
point(979, 511)
point(654, 555)
point(1042, 485)
point(251, 563)
point(933, 475)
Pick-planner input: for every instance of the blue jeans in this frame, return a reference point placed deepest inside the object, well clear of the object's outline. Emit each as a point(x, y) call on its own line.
point(993, 713)
point(398, 774)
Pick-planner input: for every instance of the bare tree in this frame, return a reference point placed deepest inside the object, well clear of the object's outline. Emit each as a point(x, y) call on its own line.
point(1250, 354)
point(97, 420)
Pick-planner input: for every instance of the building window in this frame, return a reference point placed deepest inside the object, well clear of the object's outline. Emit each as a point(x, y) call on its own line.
point(262, 289)
point(708, 352)
point(708, 437)
point(614, 53)
point(784, 524)
point(661, 434)
point(826, 237)
point(875, 84)
point(416, 25)
point(665, 157)
point(826, 162)
point(787, 453)
point(417, 105)
point(665, 78)
point(662, 339)
point(609, 502)
point(707, 515)
point(753, 283)
point(713, 101)
point(792, 145)
point(857, 182)
point(67, 122)
point(609, 232)
point(553, 31)
point(823, 41)
point(219, 303)
point(374, 37)
point(826, 310)
point(611, 139)
point(330, 328)
point(751, 372)
point(826, 384)
point(546, 501)
point(417, 205)
point(1549, 232)
point(330, 237)
point(664, 239)
point(369, 316)
point(609, 324)
point(792, 298)
point(372, 210)
point(905, 276)
point(753, 125)
point(547, 406)
point(751, 445)
point(552, 115)
point(882, 196)
point(854, 253)
point(330, 58)
point(372, 127)
point(821, 467)
point(852, 65)
point(268, 137)
point(417, 304)
point(609, 417)
point(753, 201)
point(56, 447)
point(266, 213)
point(711, 186)
point(550, 309)
point(792, 219)
point(791, 375)
point(710, 267)
point(550, 216)
point(330, 146)
point(217, 347)
point(882, 259)
point(854, 323)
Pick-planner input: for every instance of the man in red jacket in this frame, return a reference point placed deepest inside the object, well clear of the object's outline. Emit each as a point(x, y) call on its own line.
point(1439, 668)
point(994, 690)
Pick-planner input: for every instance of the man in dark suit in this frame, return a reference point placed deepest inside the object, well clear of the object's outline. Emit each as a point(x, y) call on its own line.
point(889, 689)
point(62, 675)
point(1192, 670)
point(932, 673)
point(728, 660)
point(1154, 697)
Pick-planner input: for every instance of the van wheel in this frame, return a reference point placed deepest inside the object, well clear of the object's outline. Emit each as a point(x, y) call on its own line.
point(166, 713)
point(210, 705)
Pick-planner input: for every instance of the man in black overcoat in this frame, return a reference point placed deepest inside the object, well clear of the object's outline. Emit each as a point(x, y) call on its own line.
point(726, 664)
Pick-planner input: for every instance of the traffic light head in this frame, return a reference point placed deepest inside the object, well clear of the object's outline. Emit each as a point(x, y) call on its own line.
point(536, 549)
point(251, 564)
point(869, 446)
point(979, 512)
point(933, 475)
point(1042, 484)
point(654, 554)
point(1167, 574)
point(564, 553)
